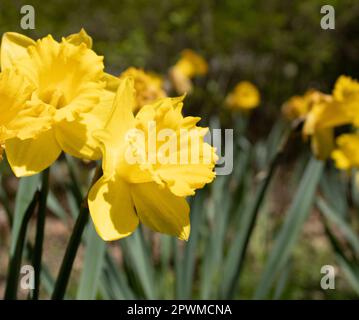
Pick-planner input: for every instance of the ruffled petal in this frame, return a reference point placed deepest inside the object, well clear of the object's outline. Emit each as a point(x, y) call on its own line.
point(80, 37)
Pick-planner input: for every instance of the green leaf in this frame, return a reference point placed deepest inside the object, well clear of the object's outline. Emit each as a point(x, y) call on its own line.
point(214, 251)
point(24, 196)
point(190, 249)
point(350, 267)
point(92, 265)
point(351, 272)
point(16, 257)
point(339, 221)
point(237, 251)
point(54, 205)
point(136, 255)
point(295, 218)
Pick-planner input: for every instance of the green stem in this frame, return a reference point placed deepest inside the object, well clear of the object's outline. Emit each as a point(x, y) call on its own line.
point(15, 260)
point(75, 187)
point(40, 230)
point(72, 248)
point(70, 255)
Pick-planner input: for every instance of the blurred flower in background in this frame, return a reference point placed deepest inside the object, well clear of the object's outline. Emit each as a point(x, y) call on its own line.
point(148, 86)
point(297, 107)
point(322, 114)
point(245, 96)
point(187, 67)
point(328, 112)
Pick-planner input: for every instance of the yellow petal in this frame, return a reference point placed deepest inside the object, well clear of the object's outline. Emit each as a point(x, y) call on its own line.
point(112, 82)
point(28, 157)
point(345, 88)
point(121, 118)
point(80, 37)
point(183, 180)
point(119, 122)
point(322, 143)
point(13, 46)
point(112, 209)
point(76, 137)
point(161, 210)
point(346, 155)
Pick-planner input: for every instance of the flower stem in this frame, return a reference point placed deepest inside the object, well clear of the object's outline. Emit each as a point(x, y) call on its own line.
point(40, 230)
point(15, 260)
point(72, 248)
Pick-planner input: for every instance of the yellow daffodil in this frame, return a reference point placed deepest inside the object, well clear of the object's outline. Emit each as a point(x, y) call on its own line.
point(188, 66)
point(346, 155)
point(328, 112)
point(151, 189)
point(245, 96)
point(68, 84)
point(148, 86)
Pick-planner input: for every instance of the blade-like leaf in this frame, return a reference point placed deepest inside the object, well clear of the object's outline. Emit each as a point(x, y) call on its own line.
point(190, 249)
point(339, 221)
point(136, 254)
point(92, 265)
point(295, 218)
point(24, 195)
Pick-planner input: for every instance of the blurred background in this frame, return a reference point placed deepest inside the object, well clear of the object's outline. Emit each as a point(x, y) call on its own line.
point(277, 45)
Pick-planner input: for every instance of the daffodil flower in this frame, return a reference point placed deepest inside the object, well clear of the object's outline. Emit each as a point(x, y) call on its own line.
point(188, 66)
point(328, 112)
point(147, 191)
point(67, 82)
point(148, 86)
point(245, 96)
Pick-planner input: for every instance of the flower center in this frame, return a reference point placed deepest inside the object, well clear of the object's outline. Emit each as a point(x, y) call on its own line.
point(53, 97)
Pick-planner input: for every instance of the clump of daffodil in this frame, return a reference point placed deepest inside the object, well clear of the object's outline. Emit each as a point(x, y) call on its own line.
point(148, 86)
point(187, 67)
point(68, 86)
point(330, 111)
point(153, 188)
point(245, 96)
point(322, 113)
